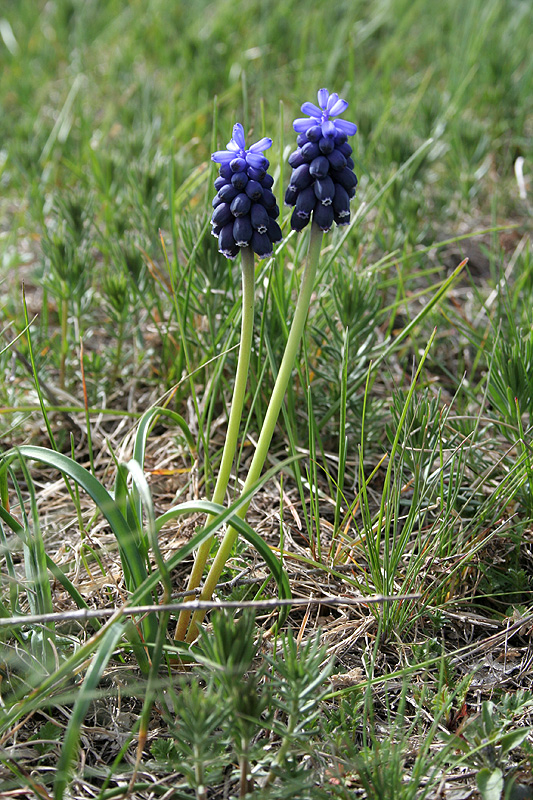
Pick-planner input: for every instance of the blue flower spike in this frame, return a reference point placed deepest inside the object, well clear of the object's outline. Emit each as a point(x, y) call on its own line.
point(323, 181)
point(245, 209)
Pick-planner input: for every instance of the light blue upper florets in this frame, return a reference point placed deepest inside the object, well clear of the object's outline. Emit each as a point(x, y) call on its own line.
point(236, 148)
point(330, 106)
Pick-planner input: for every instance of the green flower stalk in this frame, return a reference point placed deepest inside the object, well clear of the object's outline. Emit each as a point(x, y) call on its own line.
point(244, 218)
point(230, 445)
point(271, 418)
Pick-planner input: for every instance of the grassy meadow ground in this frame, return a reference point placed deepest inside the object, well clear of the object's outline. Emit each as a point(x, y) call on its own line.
point(402, 463)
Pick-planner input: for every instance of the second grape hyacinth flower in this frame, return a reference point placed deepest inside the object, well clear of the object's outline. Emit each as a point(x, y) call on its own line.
point(245, 209)
point(323, 181)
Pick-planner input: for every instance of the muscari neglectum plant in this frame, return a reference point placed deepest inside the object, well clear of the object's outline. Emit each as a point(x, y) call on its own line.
point(244, 219)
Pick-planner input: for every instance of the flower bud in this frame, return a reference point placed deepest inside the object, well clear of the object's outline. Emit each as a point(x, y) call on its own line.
point(222, 215)
point(239, 180)
point(323, 216)
point(306, 202)
point(228, 192)
point(261, 244)
point(226, 242)
point(296, 159)
point(238, 165)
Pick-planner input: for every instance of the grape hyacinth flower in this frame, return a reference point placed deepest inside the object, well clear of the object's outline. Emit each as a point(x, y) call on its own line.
point(323, 181)
point(245, 209)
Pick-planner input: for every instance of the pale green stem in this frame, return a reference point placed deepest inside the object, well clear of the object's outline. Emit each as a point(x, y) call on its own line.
point(64, 340)
point(271, 417)
point(234, 422)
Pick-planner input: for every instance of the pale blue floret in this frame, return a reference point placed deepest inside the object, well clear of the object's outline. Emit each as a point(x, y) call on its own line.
point(329, 105)
point(236, 148)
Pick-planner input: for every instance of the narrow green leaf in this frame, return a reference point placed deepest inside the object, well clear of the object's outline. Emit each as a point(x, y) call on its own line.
point(145, 424)
point(439, 294)
point(141, 437)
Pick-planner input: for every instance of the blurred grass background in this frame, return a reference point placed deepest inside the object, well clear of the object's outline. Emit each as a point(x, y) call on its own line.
point(90, 81)
point(107, 127)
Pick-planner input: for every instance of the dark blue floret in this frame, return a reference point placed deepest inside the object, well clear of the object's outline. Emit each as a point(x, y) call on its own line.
point(228, 192)
point(326, 145)
point(238, 165)
point(310, 150)
point(322, 182)
point(296, 159)
point(347, 178)
point(314, 133)
point(226, 241)
point(245, 208)
point(323, 216)
point(239, 180)
point(261, 244)
point(261, 163)
point(300, 177)
point(325, 190)
point(226, 172)
point(256, 174)
point(306, 202)
point(291, 195)
point(341, 202)
point(254, 190)
point(319, 167)
point(269, 199)
point(259, 218)
point(341, 220)
point(222, 215)
point(242, 231)
point(336, 159)
point(298, 223)
point(241, 205)
point(274, 231)
point(341, 139)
